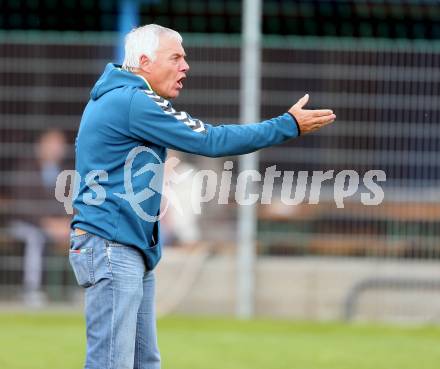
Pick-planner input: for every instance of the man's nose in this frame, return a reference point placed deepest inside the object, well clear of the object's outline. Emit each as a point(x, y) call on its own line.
point(184, 67)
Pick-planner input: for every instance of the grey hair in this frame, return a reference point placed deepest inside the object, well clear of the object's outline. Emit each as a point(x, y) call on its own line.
point(144, 41)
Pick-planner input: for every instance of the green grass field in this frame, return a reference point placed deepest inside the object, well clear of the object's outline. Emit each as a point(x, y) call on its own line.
point(56, 341)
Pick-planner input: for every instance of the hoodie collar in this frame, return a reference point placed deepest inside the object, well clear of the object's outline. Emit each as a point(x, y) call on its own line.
point(143, 79)
point(115, 77)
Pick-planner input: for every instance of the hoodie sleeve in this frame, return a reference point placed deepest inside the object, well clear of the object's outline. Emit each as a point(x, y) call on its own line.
point(153, 119)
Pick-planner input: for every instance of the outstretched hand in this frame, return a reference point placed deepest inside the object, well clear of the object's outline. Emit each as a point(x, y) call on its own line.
point(310, 120)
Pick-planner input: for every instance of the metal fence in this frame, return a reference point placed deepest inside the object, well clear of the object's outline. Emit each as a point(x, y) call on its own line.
point(385, 94)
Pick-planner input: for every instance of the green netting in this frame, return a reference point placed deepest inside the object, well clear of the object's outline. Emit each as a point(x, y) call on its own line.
point(228, 40)
point(215, 7)
point(383, 30)
point(344, 10)
point(197, 7)
point(288, 9)
point(326, 10)
point(270, 9)
point(346, 29)
point(217, 23)
point(306, 10)
point(273, 25)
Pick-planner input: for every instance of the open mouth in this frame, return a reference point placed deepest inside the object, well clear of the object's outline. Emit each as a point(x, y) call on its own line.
point(180, 82)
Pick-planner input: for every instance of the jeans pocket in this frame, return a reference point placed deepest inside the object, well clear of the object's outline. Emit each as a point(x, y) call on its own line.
point(81, 261)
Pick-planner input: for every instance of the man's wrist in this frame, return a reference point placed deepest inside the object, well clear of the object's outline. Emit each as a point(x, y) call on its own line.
point(296, 122)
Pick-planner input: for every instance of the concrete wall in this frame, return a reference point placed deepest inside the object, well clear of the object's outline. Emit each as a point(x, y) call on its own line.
point(298, 288)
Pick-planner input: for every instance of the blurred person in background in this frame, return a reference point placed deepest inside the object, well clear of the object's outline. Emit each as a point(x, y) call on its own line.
point(116, 242)
point(44, 220)
point(180, 224)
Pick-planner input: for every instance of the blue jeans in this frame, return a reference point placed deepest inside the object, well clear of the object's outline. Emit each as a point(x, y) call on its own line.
point(119, 304)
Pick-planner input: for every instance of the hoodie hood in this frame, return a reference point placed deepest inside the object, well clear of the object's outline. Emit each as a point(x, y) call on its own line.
point(115, 77)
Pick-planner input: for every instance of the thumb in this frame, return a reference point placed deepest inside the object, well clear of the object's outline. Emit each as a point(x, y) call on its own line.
point(303, 101)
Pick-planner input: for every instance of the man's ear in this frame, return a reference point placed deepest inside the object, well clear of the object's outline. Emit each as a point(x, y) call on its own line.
point(145, 63)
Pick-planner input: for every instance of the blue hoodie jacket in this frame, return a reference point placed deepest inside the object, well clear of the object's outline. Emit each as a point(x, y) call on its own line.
point(121, 144)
